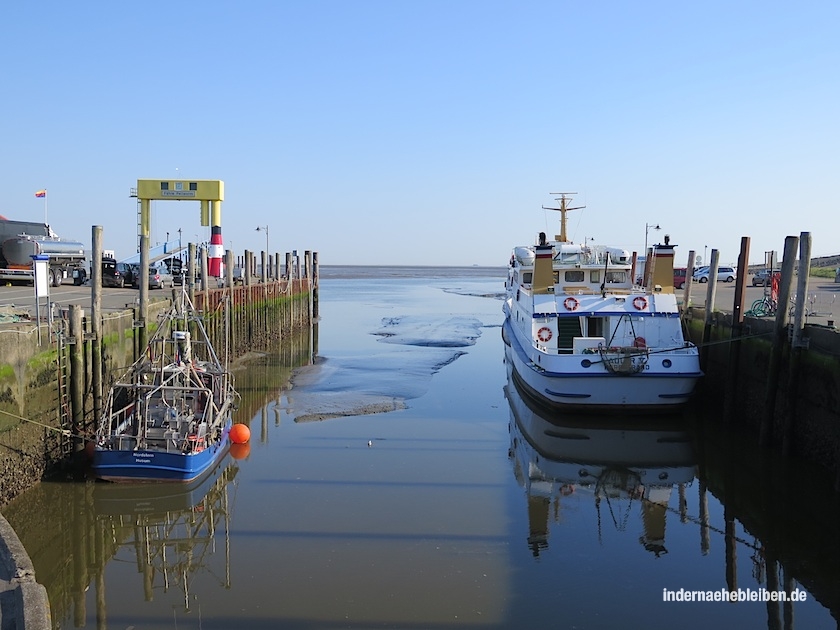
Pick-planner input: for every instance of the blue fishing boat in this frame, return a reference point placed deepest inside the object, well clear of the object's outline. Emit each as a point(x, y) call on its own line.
point(168, 418)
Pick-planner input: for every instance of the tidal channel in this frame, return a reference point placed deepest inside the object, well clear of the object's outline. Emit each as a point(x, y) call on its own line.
point(396, 478)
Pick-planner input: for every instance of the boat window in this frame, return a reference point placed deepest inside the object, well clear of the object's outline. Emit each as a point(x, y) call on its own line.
point(526, 277)
point(595, 276)
point(595, 327)
point(616, 277)
point(574, 275)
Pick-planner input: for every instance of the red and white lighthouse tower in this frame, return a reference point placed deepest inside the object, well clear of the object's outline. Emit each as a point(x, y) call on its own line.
point(216, 253)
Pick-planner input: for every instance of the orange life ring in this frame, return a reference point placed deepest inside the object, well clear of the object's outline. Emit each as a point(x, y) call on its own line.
point(640, 302)
point(544, 334)
point(567, 489)
point(571, 303)
point(640, 342)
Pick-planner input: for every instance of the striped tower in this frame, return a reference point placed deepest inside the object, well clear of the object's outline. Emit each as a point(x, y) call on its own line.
point(216, 252)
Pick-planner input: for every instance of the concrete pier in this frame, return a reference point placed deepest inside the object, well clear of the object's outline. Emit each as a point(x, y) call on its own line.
point(23, 602)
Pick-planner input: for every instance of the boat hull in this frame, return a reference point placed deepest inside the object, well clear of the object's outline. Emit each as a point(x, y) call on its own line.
point(128, 465)
point(561, 382)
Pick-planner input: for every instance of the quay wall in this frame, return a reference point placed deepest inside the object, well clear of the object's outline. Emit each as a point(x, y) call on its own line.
point(36, 434)
point(802, 415)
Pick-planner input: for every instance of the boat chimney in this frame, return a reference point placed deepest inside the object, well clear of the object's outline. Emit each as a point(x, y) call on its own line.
point(663, 265)
point(543, 281)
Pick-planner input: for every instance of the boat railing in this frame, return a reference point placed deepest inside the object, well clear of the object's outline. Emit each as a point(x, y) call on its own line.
point(688, 349)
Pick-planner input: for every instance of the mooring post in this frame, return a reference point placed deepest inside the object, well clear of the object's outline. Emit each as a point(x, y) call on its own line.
point(689, 276)
point(798, 342)
point(315, 277)
point(142, 331)
point(710, 308)
point(774, 363)
point(733, 369)
point(205, 279)
point(264, 269)
point(307, 261)
point(77, 376)
point(247, 269)
point(229, 269)
point(96, 319)
point(191, 271)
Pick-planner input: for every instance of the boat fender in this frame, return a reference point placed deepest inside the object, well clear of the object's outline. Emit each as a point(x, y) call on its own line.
point(571, 303)
point(640, 342)
point(544, 334)
point(640, 302)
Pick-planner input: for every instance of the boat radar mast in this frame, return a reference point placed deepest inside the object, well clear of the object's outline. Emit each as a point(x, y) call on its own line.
point(563, 209)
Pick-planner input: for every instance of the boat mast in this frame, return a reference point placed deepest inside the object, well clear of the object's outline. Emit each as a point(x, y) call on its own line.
point(563, 209)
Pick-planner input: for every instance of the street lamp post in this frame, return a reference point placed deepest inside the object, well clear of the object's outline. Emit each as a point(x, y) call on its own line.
point(267, 258)
point(264, 228)
point(648, 226)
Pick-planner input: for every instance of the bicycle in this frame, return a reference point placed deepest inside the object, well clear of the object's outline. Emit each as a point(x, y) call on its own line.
point(762, 307)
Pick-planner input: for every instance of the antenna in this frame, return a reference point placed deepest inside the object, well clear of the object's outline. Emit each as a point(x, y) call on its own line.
point(564, 198)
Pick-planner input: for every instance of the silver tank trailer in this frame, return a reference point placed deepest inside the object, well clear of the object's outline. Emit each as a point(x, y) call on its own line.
point(19, 251)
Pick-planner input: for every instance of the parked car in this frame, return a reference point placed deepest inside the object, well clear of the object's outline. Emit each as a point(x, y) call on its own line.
point(762, 277)
point(724, 274)
point(159, 278)
point(679, 277)
point(128, 272)
point(111, 276)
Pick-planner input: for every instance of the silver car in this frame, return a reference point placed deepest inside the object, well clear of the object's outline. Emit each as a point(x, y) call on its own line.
point(159, 278)
point(724, 274)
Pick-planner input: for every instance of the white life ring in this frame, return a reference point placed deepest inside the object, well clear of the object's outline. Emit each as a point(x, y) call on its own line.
point(640, 302)
point(544, 334)
point(571, 303)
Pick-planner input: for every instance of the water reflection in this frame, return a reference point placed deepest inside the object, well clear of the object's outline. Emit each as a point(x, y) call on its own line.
point(168, 532)
point(622, 468)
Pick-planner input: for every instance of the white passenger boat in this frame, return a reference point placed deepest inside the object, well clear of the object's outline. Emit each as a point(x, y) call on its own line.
point(583, 335)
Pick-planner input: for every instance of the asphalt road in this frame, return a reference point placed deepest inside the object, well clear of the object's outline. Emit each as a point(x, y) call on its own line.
point(23, 297)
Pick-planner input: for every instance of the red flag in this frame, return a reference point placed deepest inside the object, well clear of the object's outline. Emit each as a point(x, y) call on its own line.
point(41, 193)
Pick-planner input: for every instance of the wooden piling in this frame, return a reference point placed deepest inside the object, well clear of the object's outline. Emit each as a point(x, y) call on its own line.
point(731, 390)
point(96, 319)
point(77, 376)
point(689, 278)
point(191, 271)
point(710, 308)
point(314, 288)
point(779, 341)
point(142, 330)
point(798, 341)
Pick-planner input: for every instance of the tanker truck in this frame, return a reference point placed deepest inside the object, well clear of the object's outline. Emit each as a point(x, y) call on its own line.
point(20, 240)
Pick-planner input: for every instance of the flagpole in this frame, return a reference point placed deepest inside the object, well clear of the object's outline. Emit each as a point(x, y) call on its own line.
point(45, 207)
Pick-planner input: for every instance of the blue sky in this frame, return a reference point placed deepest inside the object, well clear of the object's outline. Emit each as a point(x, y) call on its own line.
point(428, 132)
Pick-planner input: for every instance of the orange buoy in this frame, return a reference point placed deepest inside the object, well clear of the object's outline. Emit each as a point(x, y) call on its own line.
point(240, 451)
point(240, 434)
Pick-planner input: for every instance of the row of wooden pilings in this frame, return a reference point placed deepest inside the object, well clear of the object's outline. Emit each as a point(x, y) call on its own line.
point(777, 410)
point(240, 314)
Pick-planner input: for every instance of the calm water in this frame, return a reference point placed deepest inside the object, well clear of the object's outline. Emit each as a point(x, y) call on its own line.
point(456, 504)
